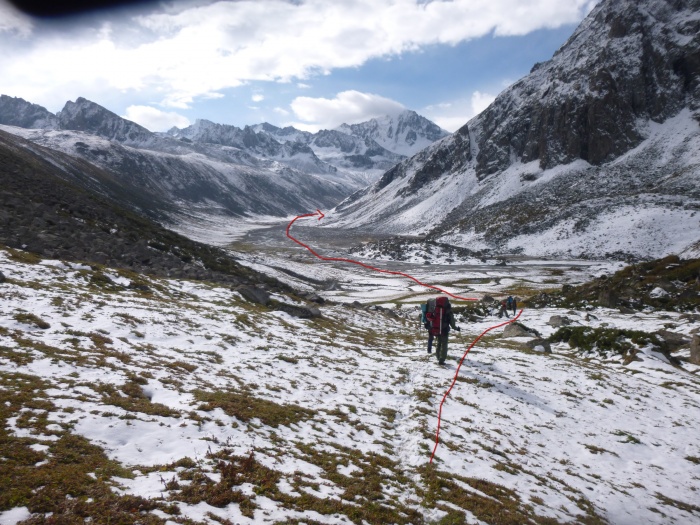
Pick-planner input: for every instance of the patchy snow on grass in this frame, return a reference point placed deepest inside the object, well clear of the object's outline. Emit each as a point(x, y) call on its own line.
point(186, 384)
point(645, 230)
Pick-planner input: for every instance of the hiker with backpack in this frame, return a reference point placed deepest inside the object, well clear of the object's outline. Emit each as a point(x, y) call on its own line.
point(440, 318)
point(504, 309)
point(509, 303)
point(513, 304)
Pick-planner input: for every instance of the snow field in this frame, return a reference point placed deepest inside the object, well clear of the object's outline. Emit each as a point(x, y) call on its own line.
point(556, 435)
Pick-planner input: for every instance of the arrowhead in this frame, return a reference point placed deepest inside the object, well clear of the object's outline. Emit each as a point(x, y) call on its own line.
point(320, 213)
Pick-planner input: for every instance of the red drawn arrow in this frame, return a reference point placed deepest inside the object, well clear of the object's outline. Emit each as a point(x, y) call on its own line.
point(439, 418)
point(380, 270)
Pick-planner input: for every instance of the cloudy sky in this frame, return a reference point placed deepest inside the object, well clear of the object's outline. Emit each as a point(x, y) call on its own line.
point(312, 64)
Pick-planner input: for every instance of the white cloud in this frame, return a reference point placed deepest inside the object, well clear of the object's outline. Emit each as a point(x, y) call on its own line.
point(155, 119)
point(348, 107)
point(13, 21)
point(450, 123)
point(257, 97)
point(197, 50)
point(480, 101)
point(453, 115)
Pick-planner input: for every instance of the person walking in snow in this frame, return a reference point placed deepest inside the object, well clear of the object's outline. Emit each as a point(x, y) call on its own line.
point(513, 304)
point(504, 309)
point(447, 321)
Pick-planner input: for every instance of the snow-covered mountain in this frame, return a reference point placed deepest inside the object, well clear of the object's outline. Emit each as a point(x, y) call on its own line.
point(406, 133)
point(369, 148)
point(594, 153)
point(18, 112)
point(258, 144)
point(183, 177)
point(359, 153)
point(211, 168)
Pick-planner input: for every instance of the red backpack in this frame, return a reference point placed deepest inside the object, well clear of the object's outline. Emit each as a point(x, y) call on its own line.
point(436, 312)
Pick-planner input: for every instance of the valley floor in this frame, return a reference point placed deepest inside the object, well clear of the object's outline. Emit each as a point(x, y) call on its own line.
point(181, 402)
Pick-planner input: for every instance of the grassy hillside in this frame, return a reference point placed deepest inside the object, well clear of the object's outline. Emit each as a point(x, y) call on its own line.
point(54, 206)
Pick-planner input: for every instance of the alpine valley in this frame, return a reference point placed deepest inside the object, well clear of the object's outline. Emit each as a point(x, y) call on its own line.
point(593, 154)
point(221, 169)
point(169, 356)
point(596, 153)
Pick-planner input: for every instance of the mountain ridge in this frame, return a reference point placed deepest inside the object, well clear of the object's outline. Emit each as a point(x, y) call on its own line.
point(613, 114)
point(207, 168)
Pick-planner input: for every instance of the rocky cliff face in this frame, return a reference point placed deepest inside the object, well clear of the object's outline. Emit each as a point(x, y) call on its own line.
point(594, 153)
point(629, 62)
point(84, 115)
point(18, 112)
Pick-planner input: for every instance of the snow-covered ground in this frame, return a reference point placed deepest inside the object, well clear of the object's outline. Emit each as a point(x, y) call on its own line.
point(340, 412)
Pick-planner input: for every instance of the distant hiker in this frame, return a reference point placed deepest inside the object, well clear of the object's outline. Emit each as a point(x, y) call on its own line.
point(439, 315)
point(509, 304)
point(504, 309)
point(426, 324)
point(513, 304)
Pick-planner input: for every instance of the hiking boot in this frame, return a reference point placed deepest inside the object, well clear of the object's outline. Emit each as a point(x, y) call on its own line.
point(441, 362)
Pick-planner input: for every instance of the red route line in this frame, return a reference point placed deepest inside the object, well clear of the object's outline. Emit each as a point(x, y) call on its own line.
point(437, 434)
point(340, 259)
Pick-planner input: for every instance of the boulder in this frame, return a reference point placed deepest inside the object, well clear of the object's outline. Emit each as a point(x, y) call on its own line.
point(331, 285)
point(303, 312)
point(254, 295)
point(672, 341)
point(631, 356)
point(135, 285)
point(608, 298)
point(695, 350)
point(559, 320)
point(539, 345)
point(315, 298)
point(518, 330)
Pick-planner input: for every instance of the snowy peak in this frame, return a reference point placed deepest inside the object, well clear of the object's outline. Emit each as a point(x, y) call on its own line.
point(209, 132)
point(84, 115)
point(405, 134)
point(255, 140)
point(18, 112)
point(81, 115)
point(362, 151)
point(286, 134)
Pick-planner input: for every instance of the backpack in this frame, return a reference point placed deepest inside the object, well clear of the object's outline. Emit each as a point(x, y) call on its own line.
point(427, 311)
point(438, 316)
point(423, 311)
